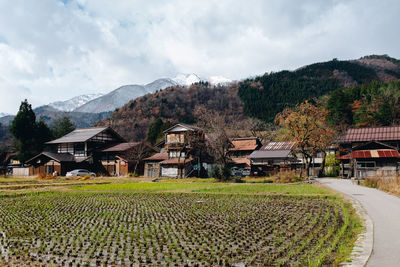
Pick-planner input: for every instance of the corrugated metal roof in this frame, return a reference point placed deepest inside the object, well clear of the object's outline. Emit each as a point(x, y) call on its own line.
point(270, 154)
point(278, 146)
point(372, 134)
point(365, 154)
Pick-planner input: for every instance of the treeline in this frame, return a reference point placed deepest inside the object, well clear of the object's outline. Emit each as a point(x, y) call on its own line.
point(372, 104)
point(265, 96)
point(174, 104)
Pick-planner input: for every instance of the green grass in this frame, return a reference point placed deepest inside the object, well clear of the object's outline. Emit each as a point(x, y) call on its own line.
point(208, 187)
point(148, 187)
point(268, 188)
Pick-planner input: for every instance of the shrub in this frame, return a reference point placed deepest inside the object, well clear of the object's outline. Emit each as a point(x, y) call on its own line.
point(288, 177)
point(371, 182)
point(132, 174)
point(221, 173)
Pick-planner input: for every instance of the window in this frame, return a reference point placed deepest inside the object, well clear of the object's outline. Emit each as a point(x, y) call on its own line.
point(175, 138)
point(366, 164)
point(49, 169)
point(79, 149)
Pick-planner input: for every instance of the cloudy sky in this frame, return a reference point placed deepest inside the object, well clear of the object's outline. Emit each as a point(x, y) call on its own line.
point(56, 49)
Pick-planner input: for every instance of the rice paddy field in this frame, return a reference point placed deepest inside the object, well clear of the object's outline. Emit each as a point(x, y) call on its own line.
point(175, 224)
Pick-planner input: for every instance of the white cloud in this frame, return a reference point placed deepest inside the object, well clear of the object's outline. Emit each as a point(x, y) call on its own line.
point(53, 50)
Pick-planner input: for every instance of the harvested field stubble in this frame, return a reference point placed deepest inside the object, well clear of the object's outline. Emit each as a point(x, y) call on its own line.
point(60, 228)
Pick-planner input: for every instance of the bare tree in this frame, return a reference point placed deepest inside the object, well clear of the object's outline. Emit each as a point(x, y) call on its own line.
point(137, 153)
point(218, 142)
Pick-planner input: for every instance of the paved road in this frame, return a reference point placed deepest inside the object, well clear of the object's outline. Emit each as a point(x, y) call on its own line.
point(384, 210)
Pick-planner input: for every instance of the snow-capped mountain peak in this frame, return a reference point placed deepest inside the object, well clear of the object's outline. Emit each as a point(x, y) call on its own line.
point(186, 79)
point(219, 80)
point(73, 103)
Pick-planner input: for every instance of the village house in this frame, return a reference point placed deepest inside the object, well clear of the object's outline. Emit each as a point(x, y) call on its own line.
point(98, 149)
point(180, 155)
point(240, 151)
point(370, 152)
point(272, 158)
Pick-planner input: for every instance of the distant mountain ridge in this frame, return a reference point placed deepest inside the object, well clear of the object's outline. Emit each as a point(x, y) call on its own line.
point(73, 103)
point(260, 97)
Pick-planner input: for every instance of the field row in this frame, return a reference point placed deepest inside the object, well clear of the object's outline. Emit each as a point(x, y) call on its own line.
point(169, 229)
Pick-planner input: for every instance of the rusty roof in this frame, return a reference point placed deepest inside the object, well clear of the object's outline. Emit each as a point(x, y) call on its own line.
point(364, 154)
point(239, 144)
point(176, 161)
point(240, 161)
point(158, 157)
point(278, 146)
point(371, 134)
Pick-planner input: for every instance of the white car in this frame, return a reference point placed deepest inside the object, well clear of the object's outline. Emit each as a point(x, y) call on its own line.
point(80, 172)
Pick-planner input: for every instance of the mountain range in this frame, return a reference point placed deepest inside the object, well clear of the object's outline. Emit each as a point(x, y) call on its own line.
point(85, 110)
point(260, 97)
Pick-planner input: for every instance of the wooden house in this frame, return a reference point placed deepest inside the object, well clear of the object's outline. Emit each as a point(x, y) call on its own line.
point(370, 152)
point(76, 150)
point(273, 157)
point(241, 150)
point(178, 157)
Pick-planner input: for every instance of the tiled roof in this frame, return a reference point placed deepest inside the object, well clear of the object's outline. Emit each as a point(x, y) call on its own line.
point(372, 134)
point(158, 156)
point(244, 144)
point(184, 125)
point(278, 146)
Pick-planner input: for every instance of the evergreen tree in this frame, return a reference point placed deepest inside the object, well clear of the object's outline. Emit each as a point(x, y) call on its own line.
point(29, 135)
point(62, 126)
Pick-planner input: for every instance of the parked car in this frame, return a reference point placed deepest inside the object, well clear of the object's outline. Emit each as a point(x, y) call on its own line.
point(240, 172)
point(80, 172)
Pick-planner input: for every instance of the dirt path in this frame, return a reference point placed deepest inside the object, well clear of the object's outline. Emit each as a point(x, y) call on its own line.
point(384, 210)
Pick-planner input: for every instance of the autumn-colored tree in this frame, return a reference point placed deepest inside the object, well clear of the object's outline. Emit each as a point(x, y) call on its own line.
point(306, 126)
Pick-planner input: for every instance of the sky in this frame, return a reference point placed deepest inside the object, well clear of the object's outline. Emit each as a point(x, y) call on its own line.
point(53, 50)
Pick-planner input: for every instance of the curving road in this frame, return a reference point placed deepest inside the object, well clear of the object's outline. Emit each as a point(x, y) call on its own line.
point(384, 210)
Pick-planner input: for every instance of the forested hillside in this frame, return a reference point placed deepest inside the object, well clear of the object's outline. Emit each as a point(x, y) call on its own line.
point(175, 104)
point(265, 96)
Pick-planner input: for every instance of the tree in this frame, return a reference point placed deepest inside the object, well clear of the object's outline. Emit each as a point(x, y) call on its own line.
point(62, 126)
point(156, 130)
point(29, 135)
point(218, 142)
point(306, 126)
point(137, 153)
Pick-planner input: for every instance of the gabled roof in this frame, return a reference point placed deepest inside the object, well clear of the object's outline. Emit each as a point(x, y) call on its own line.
point(244, 144)
point(278, 146)
point(157, 157)
point(59, 157)
point(374, 153)
point(270, 154)
point(84, 134)
point(185, 126)
point(371, 134)
point(120, 147)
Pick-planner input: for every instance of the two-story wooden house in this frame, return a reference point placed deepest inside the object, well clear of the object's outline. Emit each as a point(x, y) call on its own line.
point(73, 151)
point(180, 156)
